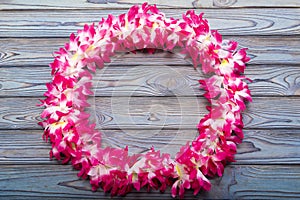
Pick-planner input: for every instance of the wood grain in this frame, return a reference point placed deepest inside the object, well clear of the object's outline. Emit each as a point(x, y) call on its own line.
point(125, 79)
point(114, 4)
point(238, 182)
point(258, 147)
point(155, 112)
point(262, 50)
point(159, 80)
point(144, 100)
point(56, 23)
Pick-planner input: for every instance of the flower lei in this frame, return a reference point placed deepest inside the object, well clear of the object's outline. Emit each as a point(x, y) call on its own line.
point(75, 139)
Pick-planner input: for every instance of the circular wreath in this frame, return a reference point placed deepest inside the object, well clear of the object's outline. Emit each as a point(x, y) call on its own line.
point(74, 138)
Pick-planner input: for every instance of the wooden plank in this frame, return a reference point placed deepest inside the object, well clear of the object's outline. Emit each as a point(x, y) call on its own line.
point(258, 147)
point(57, 23)
point(155, 112)
point(238, 182)
point(261, 49)
point(144, 80)
point(109, 4)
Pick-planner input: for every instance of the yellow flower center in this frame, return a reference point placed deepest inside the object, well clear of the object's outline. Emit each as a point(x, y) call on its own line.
point(178, 170)
point(224, 62)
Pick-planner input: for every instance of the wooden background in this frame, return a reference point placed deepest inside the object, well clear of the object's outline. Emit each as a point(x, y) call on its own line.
point(159, 107)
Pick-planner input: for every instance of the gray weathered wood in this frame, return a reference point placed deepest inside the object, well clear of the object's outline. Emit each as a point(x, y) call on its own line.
point(109, 4)
point(228, 21)
point(155, 112)
point(262, 50)
point(146, 100)
point(258, 147)
point(159, 80)
point(238, 182)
